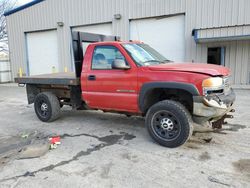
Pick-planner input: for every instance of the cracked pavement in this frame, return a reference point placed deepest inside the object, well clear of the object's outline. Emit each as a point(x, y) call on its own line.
point(111, 150)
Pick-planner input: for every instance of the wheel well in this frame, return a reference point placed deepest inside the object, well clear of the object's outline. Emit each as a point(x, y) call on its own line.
point(159, 94)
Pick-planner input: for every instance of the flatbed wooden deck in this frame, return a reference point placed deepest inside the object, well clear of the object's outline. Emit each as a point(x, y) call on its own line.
point(63, 78)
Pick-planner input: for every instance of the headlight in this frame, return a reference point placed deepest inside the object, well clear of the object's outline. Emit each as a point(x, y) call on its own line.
point(213, 82)
point(213, 85)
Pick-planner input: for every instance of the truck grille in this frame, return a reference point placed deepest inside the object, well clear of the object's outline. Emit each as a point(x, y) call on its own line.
point(227, 84)
point(226, 81)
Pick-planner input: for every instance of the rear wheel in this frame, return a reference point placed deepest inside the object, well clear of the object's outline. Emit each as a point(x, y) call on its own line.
point(47, 107)
point(169, 123)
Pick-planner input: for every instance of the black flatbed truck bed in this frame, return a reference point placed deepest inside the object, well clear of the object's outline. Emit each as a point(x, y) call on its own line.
point(65, 86)
point(64, 78)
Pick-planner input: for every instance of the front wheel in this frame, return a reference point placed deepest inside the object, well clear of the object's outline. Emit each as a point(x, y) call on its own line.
point(47, 106)
point(169, 123)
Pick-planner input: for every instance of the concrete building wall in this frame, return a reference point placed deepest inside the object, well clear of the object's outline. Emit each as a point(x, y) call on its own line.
point(198, 14)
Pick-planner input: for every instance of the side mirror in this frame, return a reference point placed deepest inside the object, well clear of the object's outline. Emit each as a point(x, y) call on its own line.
point(120, 64)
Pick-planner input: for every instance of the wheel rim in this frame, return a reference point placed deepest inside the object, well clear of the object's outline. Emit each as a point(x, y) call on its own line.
point(43, 108)
point(165, 125)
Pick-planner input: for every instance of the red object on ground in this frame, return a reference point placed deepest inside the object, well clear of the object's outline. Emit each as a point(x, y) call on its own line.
point(55, 140)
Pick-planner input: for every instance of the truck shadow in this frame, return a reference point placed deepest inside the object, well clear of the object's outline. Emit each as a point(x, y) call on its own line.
point(101, 118)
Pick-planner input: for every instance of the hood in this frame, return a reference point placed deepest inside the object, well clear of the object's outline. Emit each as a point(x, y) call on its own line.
point(202, 68)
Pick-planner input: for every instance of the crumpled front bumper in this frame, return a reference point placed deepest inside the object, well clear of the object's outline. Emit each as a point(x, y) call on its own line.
point(212, 107)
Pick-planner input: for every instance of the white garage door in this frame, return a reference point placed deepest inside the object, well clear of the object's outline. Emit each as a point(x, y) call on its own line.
point(166, 35)
point(103, 29)
point(42, 52)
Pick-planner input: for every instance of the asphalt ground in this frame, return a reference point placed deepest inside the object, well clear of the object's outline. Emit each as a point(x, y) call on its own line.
point(111, 150)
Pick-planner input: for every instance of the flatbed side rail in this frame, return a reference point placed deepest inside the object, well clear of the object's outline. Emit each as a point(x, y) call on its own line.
point(50, 79)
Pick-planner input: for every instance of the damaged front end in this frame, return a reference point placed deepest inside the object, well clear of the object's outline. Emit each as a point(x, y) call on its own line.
point(213, 108)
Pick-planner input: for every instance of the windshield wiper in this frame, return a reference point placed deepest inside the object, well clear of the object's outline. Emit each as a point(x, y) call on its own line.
point(159, 62)
point(166, 61)
point(153, 60)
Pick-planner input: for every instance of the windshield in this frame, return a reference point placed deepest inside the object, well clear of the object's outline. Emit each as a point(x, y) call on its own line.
point(144, 55)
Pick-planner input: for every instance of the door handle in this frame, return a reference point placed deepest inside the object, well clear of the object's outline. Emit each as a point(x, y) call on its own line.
point(91, 77)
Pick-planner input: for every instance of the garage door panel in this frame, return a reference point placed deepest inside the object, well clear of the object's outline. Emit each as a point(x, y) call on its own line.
point(42, 49)
point(166, 35)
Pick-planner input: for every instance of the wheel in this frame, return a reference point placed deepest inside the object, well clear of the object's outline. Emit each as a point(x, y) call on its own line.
point(47, 107)
point(169, 123)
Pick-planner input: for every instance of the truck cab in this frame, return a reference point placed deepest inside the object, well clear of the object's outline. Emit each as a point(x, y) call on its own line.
point(134, 79)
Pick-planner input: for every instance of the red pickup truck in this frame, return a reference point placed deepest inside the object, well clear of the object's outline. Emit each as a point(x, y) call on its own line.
point(134, 79)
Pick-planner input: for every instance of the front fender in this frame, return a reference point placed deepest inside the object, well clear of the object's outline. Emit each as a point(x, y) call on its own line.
point(147, 87)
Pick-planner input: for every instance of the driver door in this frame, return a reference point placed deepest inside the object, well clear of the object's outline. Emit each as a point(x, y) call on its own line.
point(108, 88)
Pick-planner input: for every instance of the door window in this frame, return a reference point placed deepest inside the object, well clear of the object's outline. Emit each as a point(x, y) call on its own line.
point(104, 56)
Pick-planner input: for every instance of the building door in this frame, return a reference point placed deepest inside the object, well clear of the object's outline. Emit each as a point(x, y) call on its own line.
point(42, 52)
point(165, 34)
point(216, 56)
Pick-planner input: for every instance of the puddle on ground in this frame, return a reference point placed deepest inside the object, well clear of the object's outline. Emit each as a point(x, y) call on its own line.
point(243, 166)
point(127, 136)
point(233, 127)
point(106, 141)
point(36, 144)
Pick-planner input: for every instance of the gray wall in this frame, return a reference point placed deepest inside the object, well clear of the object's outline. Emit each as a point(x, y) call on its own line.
point(199, 14)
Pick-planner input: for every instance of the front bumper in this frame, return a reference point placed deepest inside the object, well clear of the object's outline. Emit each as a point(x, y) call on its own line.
point(212, 107)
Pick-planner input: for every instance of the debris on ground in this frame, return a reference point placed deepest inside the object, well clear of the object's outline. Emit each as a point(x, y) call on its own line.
point(54, 142)
point(24, 135)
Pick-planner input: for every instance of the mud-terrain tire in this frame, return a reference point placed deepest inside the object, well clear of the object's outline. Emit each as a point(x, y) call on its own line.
point(47, 107)
point(169, 123)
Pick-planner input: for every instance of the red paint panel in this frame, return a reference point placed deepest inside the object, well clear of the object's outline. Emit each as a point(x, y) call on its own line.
point(126, 102)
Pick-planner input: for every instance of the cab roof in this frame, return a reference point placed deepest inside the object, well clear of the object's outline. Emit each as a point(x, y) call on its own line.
point(117, 42)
